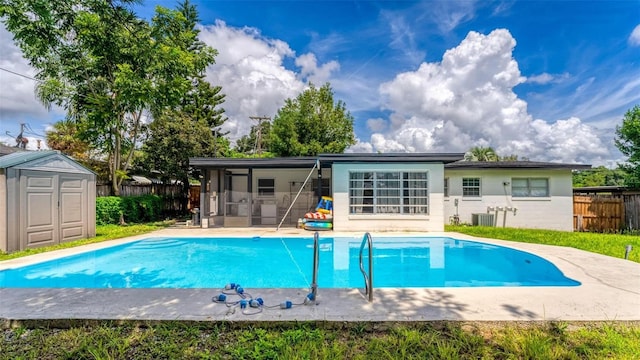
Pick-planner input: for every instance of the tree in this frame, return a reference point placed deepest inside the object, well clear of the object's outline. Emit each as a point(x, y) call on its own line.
point(480, 153)
point(599, 176)
point(248, 144)
point(628, 142)
point(189, 129)
point(311, 124)
point(184, 132)
point(64, 137)
point(107, 67)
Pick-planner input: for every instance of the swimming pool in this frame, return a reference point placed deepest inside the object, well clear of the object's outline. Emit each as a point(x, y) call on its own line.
point(269, 262)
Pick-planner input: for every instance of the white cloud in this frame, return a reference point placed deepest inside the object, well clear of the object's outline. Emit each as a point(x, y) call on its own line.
point(310, 71)
point(18, 103)
point(543, 78)
point(449, 14)
point(634, 38)
point(546, 78)
point(467, 100)
point(403, 38)
point(250, 68)
point(377, 124)
point(17, 93)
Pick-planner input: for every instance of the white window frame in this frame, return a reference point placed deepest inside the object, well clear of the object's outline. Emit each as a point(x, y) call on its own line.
point(471, 187)
point(388, 192)
point(529, 187)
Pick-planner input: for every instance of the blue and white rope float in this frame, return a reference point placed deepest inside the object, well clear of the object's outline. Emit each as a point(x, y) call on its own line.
point(250, 305)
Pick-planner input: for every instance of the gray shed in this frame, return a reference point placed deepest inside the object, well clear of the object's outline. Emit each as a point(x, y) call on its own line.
point(46, 198)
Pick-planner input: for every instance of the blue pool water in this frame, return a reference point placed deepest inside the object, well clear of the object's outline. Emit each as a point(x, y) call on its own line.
point(262, 262)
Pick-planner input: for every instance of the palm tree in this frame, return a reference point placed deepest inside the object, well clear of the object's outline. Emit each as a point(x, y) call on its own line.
point(64, 137)
point(480, 153)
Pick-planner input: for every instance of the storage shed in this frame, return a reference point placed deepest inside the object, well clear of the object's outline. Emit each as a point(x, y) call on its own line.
point(46, 198)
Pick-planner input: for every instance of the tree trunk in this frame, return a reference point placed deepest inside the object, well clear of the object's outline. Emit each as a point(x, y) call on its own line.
point(186, 194)
point(116, 165)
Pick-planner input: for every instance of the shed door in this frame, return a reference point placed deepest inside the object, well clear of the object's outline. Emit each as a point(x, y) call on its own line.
point(73, 207)
point(39, 212)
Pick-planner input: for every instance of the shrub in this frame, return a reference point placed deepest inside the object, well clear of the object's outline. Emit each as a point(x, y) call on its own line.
point(108, 210)
point(131, 209)
point(150, 207)
point(134, 209)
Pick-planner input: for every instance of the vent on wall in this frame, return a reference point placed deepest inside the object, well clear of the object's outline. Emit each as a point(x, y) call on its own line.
point(482, 219)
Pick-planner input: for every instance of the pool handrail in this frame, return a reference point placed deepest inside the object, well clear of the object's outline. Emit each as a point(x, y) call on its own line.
point(316, 254)
point(368, 279)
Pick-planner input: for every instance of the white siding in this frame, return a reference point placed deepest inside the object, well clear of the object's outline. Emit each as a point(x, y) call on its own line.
point(343, 221)
point(554, 212)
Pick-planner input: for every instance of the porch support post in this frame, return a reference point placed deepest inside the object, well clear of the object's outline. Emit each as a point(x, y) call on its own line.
point(319, 186)
point(204, 182)
point(250, 195)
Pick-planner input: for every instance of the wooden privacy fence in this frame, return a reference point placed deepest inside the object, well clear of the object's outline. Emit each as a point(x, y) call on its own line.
point(605, 213)
point(171, 194)
point(632, 211)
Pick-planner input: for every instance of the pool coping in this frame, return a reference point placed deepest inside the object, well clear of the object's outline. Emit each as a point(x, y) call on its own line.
point(610, 291)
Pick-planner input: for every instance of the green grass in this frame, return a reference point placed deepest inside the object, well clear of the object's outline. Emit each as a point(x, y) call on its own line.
point(103, 233)
point(606, 244)
point(323, 340)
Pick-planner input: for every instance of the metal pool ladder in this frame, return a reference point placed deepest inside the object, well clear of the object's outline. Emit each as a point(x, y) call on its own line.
point(316, 254)
point(368, 279)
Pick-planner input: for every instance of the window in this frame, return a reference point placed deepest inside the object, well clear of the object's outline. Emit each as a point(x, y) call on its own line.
point(326, 186)
point(470, 187)
point(446, 187)
point(530, 187)
point(388, 192)
point(266, 187)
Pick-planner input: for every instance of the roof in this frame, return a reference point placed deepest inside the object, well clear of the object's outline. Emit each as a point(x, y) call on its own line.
point(22, 157)
point(5, 150)
point(324, 159)
point(515, 165)
point(230, 163)
point(49, 160)
point(393, 157)
point(611, 189)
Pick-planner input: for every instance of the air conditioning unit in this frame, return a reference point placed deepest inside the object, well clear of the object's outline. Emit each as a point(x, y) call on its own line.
point(482, 219)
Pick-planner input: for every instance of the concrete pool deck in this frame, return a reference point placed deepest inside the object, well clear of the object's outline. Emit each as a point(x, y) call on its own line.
point(610, 291)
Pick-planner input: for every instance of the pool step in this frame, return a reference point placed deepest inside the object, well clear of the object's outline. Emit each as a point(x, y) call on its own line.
point(151, 244)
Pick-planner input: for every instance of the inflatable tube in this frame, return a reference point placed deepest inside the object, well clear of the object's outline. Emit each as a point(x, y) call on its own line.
point(317, 216)
point(318, 220)
point(315, 225)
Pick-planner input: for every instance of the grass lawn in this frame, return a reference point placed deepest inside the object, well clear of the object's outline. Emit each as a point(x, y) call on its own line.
point(103, 233)
point(333, 340)
point(323, 340)
point(606, 244)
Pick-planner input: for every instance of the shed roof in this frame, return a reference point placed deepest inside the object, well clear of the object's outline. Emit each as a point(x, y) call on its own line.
point(49, 160)
point(514, 165)
point(22, 157)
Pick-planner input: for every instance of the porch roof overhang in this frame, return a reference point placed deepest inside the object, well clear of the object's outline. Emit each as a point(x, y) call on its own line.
point(324, 159)
point(253, 163)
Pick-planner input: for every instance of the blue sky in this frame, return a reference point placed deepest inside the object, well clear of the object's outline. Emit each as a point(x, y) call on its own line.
point(548, 80)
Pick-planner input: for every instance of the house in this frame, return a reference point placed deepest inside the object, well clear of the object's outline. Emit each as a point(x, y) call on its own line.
point(46, 198)
point(520, 194)
point(384, 192)
point(370, 191)
point(6, 150)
